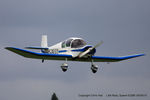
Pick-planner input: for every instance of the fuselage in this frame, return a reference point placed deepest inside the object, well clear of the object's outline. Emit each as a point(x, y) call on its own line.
point(72, 46)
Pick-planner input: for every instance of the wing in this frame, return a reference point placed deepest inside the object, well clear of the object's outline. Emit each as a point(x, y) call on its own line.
point(35, 55)
point(114, 59)
point(47, 56)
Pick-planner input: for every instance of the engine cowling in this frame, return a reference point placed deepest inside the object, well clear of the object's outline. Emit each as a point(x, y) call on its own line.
point(64, 67)
point(94, 68)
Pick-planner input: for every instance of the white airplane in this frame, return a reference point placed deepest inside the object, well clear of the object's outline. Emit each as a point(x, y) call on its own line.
point(72, 49)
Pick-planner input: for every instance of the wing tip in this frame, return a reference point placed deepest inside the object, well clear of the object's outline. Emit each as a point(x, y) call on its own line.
point(132, 56)
point(8, 48)
point(137, 55)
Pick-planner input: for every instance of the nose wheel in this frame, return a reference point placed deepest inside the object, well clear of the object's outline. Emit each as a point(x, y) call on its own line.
point(94, 67)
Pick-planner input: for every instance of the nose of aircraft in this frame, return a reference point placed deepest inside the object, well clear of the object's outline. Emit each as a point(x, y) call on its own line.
point(92, 52)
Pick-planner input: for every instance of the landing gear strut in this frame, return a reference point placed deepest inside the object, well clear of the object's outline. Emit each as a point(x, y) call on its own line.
point(42, 60)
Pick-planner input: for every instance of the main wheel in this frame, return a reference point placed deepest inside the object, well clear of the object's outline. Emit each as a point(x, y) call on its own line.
point(64, 67)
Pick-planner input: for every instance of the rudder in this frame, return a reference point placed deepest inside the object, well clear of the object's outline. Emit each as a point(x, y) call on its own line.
point(44, 41)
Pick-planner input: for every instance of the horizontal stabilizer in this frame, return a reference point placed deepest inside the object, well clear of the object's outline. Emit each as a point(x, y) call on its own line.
point(36, 48)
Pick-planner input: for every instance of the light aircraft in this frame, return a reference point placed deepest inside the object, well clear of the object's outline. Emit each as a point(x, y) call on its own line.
point(72, 49)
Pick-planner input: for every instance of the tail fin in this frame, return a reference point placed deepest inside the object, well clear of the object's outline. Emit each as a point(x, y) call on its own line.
point(44, 41)
point(44, 45)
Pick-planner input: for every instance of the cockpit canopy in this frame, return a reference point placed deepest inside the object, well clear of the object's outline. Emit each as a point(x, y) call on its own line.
point(73, 43)
point(77, 43)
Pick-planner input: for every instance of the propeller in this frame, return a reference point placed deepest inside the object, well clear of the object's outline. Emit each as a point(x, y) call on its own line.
point(90, 49)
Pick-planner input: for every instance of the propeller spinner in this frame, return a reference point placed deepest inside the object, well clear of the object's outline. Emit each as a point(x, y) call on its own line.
point(89, 49)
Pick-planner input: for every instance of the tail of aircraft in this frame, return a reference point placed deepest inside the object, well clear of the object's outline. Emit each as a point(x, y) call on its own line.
point(44, 42)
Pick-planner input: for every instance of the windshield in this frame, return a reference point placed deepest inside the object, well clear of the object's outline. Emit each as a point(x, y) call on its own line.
point(68, 42)
point(77, 43)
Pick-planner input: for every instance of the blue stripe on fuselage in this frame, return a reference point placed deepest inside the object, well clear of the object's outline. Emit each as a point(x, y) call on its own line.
point(81, 50)
point(75, 50)
point(62, 51)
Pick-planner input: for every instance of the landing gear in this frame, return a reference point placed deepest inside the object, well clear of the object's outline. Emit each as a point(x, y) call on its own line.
point(64, 66)
point(94, 67)
point(42, 60)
